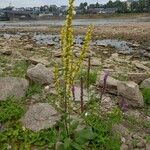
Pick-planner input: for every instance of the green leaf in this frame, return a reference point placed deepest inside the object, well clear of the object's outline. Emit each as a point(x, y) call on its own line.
point(67, 144)
point(74, 125)
point(76, 146)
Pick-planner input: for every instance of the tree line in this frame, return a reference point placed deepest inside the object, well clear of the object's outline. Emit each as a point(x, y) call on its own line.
point(139, 6)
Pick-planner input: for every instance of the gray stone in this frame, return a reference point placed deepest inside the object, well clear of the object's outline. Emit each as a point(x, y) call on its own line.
point(77, 94)
point(124, 147)
point(35, 61)
point(12, 87)
point(28, 47)
point(137, 77)
point(111, 83)
point(107, 104)
point(40, 74)
point(148, 146)
point(130, 91)
point(6, 52)
point(40, 116)
point(141, 66)
point(145, 83)
point(96, 61)
point(121, 130)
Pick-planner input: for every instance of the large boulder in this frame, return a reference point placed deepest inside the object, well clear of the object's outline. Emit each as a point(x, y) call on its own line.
point(145, 83)
point(12, 87)
point(111, 83)
point(40, 74)
point(130, 91)
point(40, 116)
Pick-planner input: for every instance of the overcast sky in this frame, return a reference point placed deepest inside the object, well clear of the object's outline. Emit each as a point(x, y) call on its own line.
point(26, 3)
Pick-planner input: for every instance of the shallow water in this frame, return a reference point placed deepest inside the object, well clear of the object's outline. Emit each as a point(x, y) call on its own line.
point(121, 45)
point(59, 22)
point(118, 44)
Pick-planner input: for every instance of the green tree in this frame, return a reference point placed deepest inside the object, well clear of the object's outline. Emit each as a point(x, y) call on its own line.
point(110, 4)
point(134, 6)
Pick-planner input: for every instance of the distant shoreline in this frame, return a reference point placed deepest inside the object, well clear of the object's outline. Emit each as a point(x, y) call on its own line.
point(92, 16)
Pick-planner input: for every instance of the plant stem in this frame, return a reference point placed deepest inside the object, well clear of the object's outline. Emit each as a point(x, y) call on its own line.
point(82, 107)
point(88, 75)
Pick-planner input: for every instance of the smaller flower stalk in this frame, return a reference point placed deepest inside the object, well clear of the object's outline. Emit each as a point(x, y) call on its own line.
point(104, 85)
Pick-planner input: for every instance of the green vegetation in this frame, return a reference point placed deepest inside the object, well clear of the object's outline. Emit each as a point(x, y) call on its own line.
point(147, 138)
point(92, 77)
point(10, 110)
point(3, 61)
point(20, 69)
point(16, 137)
point(34, 88)
point(146, 95)
point(95, 133)
point(121, 6)
point(103, 134)
point(136, 123)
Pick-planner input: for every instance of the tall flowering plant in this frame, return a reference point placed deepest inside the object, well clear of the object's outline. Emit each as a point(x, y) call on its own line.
point(71, 65)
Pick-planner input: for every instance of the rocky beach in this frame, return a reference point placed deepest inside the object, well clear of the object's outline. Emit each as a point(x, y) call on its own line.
point(29, 52)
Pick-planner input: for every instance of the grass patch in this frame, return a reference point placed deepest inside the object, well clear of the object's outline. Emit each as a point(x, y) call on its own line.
point(104, 136)
point(10, 110)
point(146, 95)
point(34, 88)
point(92, 77)
point(147, 138)
point(16, 137)
point(136, 123)
point(3, 61)
point(20, 69)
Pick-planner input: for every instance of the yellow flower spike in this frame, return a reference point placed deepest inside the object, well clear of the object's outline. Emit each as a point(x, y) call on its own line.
point(71, 66)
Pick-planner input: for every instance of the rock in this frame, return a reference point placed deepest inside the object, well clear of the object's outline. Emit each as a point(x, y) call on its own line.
point(35, 61)
point(148, 146)
point(36, 97)
point(96, 61)
point(135, 45)
point(140, 142)
point(111, 83)
point(124, 147)
point(114, 56)
point(77, 94)
point(7, 36)
point(28, 47)
point(12, 87)
point(40, 74)
point(137, 77)
point(57, 54)
point(6, 52)
point(133, 113)
point(120, 130)
point(40, 116)
point(107, 104)
point(148, 48)
point(145, 83)
point(130, 91)
point(141, 66)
